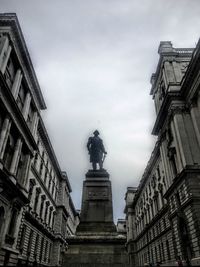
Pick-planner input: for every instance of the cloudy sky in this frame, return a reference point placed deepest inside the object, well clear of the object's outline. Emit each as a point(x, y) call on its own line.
point(94, 60)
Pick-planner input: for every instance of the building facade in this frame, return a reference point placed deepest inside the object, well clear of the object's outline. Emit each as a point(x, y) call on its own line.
point(163, 213)
point(36, 210)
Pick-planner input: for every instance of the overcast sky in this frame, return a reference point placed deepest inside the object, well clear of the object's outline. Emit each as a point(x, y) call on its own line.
point(94, 60)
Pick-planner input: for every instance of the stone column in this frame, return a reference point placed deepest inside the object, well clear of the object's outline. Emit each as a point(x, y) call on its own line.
point(160, 200)
point(186, 139)
point(177, 71)
point(166, 164)
point(4, 135)
point(169, 72)
point(130, 224)
point(26, 105)
point(5, 61)
point(16, 83)
point(27, 165)
point(3, 47)
point(35, 123)
point(15, 159)
point(178, 154)
point(50, 216)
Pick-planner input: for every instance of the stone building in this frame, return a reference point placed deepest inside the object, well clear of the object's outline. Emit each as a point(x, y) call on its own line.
point(163, 213)
point(36, 210)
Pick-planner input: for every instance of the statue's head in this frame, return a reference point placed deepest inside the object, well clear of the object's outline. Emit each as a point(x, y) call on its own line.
point(96, 132)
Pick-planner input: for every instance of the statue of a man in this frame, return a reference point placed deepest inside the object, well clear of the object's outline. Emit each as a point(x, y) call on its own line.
point(96, 150)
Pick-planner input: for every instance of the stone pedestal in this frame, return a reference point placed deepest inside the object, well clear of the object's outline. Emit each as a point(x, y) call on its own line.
point(97, 210)
point(96, 242)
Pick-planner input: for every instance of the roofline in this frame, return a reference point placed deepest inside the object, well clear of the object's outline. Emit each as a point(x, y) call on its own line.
point(166, 49)
point(48, 146)
point(10, 19)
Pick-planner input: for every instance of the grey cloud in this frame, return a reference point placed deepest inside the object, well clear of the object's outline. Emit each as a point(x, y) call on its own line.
point(94, 60)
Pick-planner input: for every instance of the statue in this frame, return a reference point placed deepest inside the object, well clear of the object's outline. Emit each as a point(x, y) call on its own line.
point(96, 150)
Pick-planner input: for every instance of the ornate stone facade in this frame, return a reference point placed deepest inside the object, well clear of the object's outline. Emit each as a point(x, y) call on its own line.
point(36, 210)
point(162, 214)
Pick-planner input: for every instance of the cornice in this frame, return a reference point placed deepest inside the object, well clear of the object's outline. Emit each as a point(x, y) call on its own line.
point(192, 75)
point(163, 113)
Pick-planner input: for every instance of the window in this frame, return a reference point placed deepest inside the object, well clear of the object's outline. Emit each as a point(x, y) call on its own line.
point(49, 185)
point(38, 190)
point(156, 204)
point(158, 172)
point(46, 211)
point(50, 214)
point(31, 186)
point(30, 116)
point(21, 97)
point(10, 72)
point(20, 167)
point(11, 228)
point(35, 158)
point(23, 234)
point(9, 151)
point(41, 167)
point(172, 158)
point(30, 242)
point(46, 174)
point(53, 219)
point(42, 205)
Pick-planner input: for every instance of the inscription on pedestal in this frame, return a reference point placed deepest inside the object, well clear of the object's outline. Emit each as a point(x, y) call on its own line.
point(97, 193)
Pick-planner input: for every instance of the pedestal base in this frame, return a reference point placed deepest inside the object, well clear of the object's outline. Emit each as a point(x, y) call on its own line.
point(97, 243)
point(96, 251)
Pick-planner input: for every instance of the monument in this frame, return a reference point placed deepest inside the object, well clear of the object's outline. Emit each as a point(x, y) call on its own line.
point(97, 242)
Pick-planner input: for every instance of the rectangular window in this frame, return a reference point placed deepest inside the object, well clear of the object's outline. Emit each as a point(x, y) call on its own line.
point(10, 72)
point(21, 97)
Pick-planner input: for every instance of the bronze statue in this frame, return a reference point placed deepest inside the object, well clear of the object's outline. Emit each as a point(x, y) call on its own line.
point(96, 150)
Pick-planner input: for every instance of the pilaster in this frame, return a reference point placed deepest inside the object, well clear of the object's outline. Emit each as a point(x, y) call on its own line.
point(4, 135)
point(16, 83)
point(15, 159)
point(26, 105)
point(5, 61)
